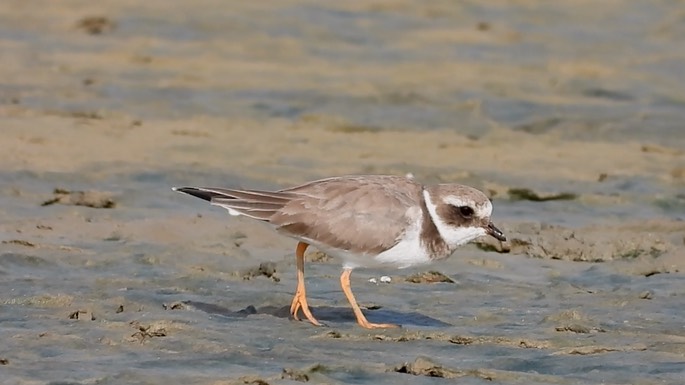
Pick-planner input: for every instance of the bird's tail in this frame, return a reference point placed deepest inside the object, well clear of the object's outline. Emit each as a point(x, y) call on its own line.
point(261, 205)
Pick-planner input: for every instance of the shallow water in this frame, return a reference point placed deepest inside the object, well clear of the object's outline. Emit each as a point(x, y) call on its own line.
point(575, 97)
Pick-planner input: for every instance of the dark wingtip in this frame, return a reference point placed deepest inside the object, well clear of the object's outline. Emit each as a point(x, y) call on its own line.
point(196, 192)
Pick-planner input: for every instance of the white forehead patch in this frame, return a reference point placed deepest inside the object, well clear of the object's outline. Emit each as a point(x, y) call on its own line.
point(482, 209)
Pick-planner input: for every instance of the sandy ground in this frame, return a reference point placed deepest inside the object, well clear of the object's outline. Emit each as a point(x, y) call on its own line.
point(569, 115)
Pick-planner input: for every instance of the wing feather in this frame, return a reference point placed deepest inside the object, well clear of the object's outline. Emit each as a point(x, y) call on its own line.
point(357, 214)
point(354, 213)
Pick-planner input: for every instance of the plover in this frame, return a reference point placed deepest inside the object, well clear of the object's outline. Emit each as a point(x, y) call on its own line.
point(364, 220)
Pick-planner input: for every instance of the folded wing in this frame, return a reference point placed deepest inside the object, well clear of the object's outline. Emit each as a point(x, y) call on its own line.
point(357, 214)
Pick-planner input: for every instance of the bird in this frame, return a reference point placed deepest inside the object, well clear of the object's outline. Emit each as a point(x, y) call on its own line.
point(365, 221)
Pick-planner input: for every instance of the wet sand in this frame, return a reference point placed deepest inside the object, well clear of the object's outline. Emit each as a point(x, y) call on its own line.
point(569, 115)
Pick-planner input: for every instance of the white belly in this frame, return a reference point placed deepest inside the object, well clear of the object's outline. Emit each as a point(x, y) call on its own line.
point(408, 252)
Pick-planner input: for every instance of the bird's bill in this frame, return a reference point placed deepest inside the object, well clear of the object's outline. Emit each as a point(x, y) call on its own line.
point(496, 233)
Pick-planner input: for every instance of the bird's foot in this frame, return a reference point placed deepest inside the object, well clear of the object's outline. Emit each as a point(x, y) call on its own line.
point(371, 325)
point(300, 303)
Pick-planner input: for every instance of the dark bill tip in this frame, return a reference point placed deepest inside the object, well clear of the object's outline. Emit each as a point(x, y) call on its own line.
point(495, 232)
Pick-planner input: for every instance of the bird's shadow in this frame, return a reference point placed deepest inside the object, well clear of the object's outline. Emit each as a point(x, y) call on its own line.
point(326, 314)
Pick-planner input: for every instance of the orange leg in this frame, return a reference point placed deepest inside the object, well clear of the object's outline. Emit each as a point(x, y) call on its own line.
point(361, 319)
point(300, 299)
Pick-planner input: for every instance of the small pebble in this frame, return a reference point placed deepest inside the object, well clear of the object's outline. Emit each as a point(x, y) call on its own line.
point(386, 279)
point(646, 294)
point(373, 280)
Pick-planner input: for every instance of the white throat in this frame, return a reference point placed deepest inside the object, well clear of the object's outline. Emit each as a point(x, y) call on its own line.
point(454, 236)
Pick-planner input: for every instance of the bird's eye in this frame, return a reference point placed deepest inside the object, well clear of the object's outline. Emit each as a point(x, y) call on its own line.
point(465, 211)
